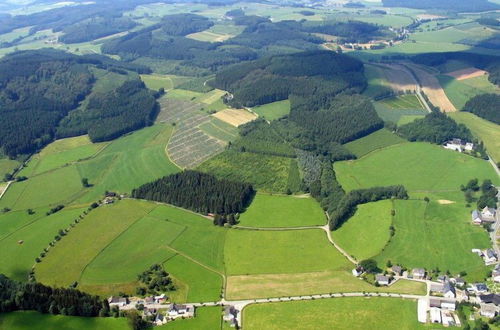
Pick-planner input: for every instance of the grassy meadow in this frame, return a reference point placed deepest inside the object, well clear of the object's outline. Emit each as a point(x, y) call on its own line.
point(460, 91)
point(273, 111)
point(38, 321)
point(408, 101)
point(420, 167)
point(206, 318)
point(419, 240)
point(377, 140)
point(282, 211)
point(341, 313)
point(367, 232)
point(7, 166)
point(167, 82)
point(277, 252)
point(398, 116)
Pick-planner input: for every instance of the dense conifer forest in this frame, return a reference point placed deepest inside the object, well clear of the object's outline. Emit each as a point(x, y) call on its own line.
point(199, 192)
point(486, 106)
point(94, 28)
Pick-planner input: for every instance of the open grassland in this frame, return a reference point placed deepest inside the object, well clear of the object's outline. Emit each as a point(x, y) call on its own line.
point(7, 166)
point(376, 79)
point(220, 130)
point(277, 252)
point(485, 130)
point(128, 238)
point(273, 111)
point(418, 166)
point(167, 82)
point(460, 91)
point(367, 232)
point(418, 240)
point(206, 318)
point(342, 313)
point(35, 233)
point(218, 32)
point(269, 173)
point(330, 281)
point(377, 140)
point(398, 116)
point(282, 211)
point(408, 101)
point(14, 220)
point(38, 321)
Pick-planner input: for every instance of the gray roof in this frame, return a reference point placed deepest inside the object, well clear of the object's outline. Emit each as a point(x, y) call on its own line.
point(448, 287)
point(419, 271)
point(381, 278)
point(490, 299)
point(491, 253)
point(475, 214)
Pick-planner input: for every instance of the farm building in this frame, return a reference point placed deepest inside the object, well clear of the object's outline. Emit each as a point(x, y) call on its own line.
point(398, 270)
point(382, 279)
point(176, 310)
point(357, 271)
point(487, 214)
point(418, 273)
point(230, 315)
point(117, 301)
point(458, 145)
point(448, 305)
point(435, 315)
point(449, 290)
point(488, 310)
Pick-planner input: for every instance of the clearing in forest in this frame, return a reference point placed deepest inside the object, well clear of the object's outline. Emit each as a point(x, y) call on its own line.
point(235, 117)
point(377, 140)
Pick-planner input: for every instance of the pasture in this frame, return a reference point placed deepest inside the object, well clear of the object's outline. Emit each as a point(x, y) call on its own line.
point(423, 225)
point(273, 111)
point(341, 313)
point(460, 91)
point(377, 82)
point(220, 130)
point(285, 285)
point(277, 252)
point(7, 166)
point(366, 233)
point(377, 140)
point(483, 129)
point(282, 211)
point(206, 318)
point(420, 167)
point(402, 102)
point(398, 116)
point(167, 82)
point(265, 172)
point(28, 320)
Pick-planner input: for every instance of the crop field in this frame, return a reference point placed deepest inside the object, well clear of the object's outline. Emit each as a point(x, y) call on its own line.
point(206, 318)
point(341, 313)
point(418, 166)
point(273, 111)
point(466, 73)
point(282, 211)
point(190, 145)
point(409, 101)
point(28, 320)
point(127, 245)
point(235, 117)
point(26, 236)
point(157, 81)
point(485, 130)
point(398, 77)
point(292, 251)
point(377, 140)
point(460, 91)
point(422, 224)
point(367, 232)
point(398, 116)
point(265, 172)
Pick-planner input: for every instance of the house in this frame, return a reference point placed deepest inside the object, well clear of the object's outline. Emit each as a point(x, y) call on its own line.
point(449, 290)
point(488, 214)
point(488, 310)
point(382, 279)
point(476, 218)
point(229, 313)
point(435, 303)
point(117, 301)
point(459, 281)
point(435, 315)
point(448, 305)
point(180, 310)
point(160, 319)
point(496, 274)
point(469, 146)
point(149, 300)
point(108, 200)
point(442, 278)
point(490, 299)
point(458, 145)
point(490, 256)
point(357, 271)
point(418, 273)
point(437, 287)
point(478, 288)
point(447, 318)
point(398, 270)
point(161, 298)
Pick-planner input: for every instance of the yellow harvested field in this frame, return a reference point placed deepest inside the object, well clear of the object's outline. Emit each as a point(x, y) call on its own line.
point(445, 202)
point(235, 117)
point(466, 73)
point(399, 77)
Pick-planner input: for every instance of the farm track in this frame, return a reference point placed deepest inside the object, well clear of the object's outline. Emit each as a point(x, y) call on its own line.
point(189, 146)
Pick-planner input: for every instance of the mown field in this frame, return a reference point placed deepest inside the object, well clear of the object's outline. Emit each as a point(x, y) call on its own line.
point(367, 232)
point(206, 318)
point(418, 166)
point(268, 173)
point(282, 211)
point(272, 111)
point(398, 116)
point(132, 236)
point(419, 238)
point(460, 91)
point(485, 130)
point(38, 321)
point(341, 313)
point(402, 102)
point(377, 140)
point(167, 82)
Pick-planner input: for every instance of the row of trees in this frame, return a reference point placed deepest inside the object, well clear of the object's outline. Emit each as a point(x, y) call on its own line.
point(197, 191)
point(485, 106)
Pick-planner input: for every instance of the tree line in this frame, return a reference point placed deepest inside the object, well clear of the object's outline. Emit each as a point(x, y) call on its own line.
point(485, 106)
point(199, 192)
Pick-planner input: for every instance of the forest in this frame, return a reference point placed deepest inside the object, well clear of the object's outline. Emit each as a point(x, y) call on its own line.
point(436, 128)
point(95, 28)
point(199, 192)
point(486, 106)
point(351, 31)
point(35, 296)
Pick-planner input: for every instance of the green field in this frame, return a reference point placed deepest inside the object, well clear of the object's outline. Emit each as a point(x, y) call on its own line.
point(35, 232)
point(341, 313)
point(7, 166)
point(206, 318)
point(420, 167)
point(367, 232)
point(460, 91)
point(282, 211)
point(38, 321)
point(398, 116)
point(278, 252)
point(268, 173)
point(402, 102)
point(220, 130)
point(485, 130)
point(272, 111)
point(377, 82)
point(377, 140)
point(420, 240)
point(167, 82)
point(119, 237)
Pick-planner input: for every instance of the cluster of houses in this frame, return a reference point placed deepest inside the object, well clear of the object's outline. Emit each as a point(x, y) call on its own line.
point(231, 316)
point(486, 215)
point(443, 311)
point(489, 255)
point(173, 312)
point(459, 145)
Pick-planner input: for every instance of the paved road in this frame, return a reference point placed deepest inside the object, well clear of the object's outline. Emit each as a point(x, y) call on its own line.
point(5, 189)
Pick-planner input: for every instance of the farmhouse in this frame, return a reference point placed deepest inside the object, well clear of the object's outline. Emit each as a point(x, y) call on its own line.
point(458, 145)
point(490, 256)
point(357, 271)
point(176, 310)
point(448, 305)
point(398, 270)
point(117, 301)
point(435, 315)
point(488, 310)
point(230, 315)
point(418, 273)
point(478, 288)
point(382, 279)
point(487, 214)
point(449, 290)
point(160, 319)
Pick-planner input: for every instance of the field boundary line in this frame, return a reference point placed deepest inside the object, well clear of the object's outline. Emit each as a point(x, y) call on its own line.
point(197, 262)
point(277, 228)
